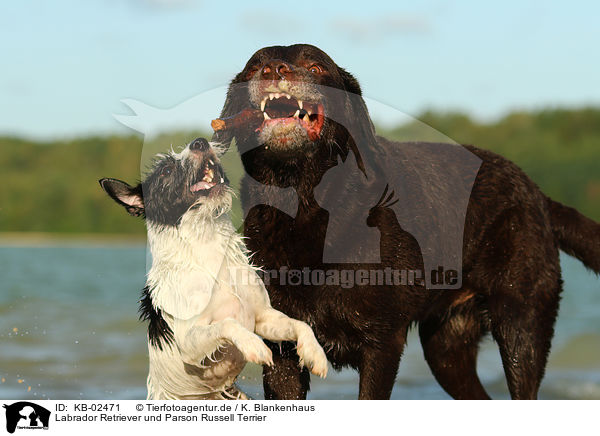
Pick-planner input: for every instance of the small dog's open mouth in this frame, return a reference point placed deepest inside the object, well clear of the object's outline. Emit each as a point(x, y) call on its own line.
point(211, 177)
point(282, 108)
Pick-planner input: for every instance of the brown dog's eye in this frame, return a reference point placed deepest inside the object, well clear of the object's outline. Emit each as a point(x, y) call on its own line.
point(315, 69)
point(166, 171)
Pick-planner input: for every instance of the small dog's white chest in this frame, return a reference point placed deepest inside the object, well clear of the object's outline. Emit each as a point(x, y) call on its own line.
point(190, 275)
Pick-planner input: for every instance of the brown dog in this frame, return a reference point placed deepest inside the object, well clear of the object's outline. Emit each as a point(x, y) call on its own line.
point(505, 275)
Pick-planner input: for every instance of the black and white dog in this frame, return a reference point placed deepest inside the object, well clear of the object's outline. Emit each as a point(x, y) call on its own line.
point(204, 302)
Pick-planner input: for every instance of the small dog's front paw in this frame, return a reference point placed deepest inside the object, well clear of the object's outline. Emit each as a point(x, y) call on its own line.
point(255, 350)
point(312, 355)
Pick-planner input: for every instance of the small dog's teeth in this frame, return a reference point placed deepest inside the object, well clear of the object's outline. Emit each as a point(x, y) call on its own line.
point(262, 104)
point(297, 113)
point(305, 118)
point(271, 96)
point(266, 116)
point(211, 162)
point(222, 180)
point(308, 111)
point(300, 103)
point(288, 96)
point(208, 177)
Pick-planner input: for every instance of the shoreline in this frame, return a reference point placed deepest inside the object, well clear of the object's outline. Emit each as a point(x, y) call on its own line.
point(48, 239)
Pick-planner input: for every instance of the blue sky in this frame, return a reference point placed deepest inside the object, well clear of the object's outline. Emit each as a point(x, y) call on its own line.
point(67, 64)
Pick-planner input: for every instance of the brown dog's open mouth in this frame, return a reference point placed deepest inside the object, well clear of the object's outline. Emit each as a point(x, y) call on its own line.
point(282, 108)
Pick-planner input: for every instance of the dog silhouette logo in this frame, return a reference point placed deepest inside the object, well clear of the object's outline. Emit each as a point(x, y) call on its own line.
point(26, 415)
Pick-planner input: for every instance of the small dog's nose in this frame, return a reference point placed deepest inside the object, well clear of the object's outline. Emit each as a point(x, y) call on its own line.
point(200, 144)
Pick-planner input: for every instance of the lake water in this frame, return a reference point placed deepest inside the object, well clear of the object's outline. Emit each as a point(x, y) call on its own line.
point(69, 330)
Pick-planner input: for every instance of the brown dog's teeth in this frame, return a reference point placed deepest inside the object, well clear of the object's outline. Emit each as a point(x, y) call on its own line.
point(300, 113)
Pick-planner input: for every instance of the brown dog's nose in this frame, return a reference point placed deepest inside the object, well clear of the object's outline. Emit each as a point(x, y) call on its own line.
point(276, 70)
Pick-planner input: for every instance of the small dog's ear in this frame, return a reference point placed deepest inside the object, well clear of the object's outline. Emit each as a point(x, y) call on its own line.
point(129, 197)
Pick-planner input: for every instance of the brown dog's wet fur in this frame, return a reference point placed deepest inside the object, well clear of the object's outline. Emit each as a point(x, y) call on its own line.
point(511, 274)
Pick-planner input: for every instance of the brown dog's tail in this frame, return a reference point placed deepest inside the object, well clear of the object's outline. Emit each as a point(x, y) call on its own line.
point(577, 235)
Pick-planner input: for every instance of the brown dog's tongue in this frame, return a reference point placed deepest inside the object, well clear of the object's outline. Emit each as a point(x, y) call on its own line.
point(241, 119)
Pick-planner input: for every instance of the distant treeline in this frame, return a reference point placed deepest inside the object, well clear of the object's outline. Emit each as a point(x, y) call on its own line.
point(53, 186)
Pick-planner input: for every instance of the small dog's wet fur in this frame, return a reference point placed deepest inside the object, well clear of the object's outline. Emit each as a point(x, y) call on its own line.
point(203, 301)
point(511, 280)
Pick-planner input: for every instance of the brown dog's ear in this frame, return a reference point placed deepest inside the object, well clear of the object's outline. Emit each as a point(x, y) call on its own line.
point(350, 82)
point(129, 197)
point(237, 96)
point(362, 138)
point(235, 101)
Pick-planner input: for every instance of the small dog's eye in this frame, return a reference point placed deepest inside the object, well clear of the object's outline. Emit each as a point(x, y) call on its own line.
point(315, 69)
point(165, 172)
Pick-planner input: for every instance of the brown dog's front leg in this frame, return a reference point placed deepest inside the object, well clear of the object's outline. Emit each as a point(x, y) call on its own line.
point(285, 380)
point(378, 368)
